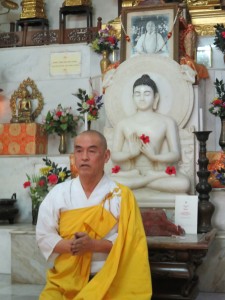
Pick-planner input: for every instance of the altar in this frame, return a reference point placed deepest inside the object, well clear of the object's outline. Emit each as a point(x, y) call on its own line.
point(174, 262)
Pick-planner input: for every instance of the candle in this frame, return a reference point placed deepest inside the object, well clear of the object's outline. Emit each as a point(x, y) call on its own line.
point(86, 121)
point(201, 119)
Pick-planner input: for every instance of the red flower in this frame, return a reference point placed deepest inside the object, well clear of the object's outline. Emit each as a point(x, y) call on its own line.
point(169, 34)
point(145, 138)
point(41, 182)
point(223, 34)
point(171, 170)
point(93, 112)
point(111, 40)
point(217, 102)
point(53, 179)
point(127, 38)
point(116, 169)
point(90, 102)
point(58, 113)
point(26, 184)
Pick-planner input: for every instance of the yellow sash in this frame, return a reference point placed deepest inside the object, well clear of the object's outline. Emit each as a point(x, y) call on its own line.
point(125, 274)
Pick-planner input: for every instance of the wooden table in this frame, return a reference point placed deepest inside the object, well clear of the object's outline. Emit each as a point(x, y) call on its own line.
point(73, 10)
point(174, 261)
point(25, 23)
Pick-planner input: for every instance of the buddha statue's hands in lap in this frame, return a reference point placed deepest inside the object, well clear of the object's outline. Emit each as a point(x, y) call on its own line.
point(146, 145)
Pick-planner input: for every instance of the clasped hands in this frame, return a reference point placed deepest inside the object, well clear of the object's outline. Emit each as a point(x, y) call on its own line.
point(137, 146)
point(82, 243)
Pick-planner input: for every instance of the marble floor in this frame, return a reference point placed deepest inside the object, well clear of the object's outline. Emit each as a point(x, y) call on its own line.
point(10, 291)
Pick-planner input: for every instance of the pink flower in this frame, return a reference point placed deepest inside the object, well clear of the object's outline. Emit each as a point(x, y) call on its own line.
point(116, 169)
point(26, 184)
point(171, 170)
point(53, 179)
point(145, 138)
point(223, 34)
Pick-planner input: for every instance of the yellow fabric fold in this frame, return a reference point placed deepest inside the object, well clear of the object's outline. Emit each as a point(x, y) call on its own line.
point(126, 272)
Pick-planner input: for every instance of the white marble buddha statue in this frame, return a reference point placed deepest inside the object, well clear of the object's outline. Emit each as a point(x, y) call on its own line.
point(146, 146)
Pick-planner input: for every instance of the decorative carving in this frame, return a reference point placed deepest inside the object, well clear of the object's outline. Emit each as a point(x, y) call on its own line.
point(8, 39)
point(203, 30)
point(78, 35)
point(21, 102)
point(205, 14)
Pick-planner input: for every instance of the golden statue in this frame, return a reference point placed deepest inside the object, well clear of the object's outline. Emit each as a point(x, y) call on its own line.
point(21, 103)
point(25, 108)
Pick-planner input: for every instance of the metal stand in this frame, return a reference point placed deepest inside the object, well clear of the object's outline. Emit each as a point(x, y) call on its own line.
point(205, 208)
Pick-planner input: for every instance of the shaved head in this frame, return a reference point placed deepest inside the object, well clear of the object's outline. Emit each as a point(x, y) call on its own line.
point(96, 133)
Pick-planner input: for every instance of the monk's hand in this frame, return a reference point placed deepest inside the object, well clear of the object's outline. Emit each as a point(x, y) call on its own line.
point(134, 145)
point(81, 243)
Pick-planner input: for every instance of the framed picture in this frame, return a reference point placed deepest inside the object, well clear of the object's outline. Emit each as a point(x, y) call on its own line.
point(148, 28)
point(216, 167)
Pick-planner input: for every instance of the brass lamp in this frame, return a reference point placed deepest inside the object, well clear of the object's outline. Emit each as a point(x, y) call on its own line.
point(9, 4)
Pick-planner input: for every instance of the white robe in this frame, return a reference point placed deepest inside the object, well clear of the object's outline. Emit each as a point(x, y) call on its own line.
point(150, 43)
point(67, 196)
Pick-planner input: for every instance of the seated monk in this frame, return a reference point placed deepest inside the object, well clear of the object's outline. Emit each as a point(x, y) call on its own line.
point(146, 145)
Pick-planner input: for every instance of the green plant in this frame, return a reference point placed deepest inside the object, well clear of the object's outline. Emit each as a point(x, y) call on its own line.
point(89, 104)
point(40, 184)
point(217, 106)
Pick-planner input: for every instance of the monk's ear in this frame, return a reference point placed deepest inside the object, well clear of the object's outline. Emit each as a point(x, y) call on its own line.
point(156, 101)
point(107, 155)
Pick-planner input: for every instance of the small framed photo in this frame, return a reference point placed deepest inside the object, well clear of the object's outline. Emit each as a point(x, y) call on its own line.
point(149, 28)
point(204, 56)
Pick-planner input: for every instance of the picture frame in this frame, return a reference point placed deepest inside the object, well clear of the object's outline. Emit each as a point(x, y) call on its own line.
point(134, 24)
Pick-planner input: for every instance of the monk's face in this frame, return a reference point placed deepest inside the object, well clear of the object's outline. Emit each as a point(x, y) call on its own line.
point(90, 155)
point(150, 27)
point(143, 97)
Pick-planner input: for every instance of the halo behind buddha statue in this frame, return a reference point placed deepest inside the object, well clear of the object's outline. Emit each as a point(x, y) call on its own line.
point(160, 116)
